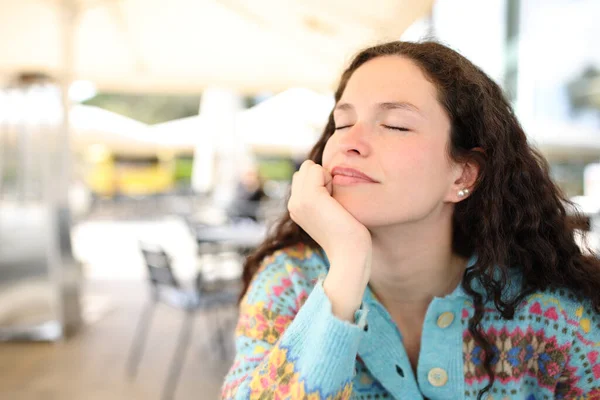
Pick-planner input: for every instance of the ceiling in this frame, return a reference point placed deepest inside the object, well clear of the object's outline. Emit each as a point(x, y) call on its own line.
point(184, 46)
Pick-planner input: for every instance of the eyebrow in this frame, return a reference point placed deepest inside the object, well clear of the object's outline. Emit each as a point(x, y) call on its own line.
point(402, 105)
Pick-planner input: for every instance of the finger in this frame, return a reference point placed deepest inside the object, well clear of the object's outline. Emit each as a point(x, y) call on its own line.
point(303, 170)
point(306, 164)
point(314, 176)
point(293, 193)
point(295, 182)
point(328, 178)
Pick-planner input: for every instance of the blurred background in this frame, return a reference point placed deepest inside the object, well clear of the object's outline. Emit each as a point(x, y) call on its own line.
point(147, 146)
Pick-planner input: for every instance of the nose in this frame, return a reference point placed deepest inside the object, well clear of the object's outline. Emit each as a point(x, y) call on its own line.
point(354, 141)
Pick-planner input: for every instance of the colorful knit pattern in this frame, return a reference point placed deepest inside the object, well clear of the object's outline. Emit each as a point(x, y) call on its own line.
point(264, 369)
point(290, 346)
point(552, 343)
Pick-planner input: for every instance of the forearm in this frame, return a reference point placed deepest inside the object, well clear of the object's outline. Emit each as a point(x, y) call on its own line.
point(317, 352)
point(345, 285)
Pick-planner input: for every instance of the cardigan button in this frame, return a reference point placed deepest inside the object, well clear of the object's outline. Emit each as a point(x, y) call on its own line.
point(437, 377)
point(445, 319)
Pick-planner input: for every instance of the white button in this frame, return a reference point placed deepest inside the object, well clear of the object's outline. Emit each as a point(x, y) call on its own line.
point(445, 319)
point(437, 377)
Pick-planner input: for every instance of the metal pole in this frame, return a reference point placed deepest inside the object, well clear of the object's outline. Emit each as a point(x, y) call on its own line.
point(64, 271)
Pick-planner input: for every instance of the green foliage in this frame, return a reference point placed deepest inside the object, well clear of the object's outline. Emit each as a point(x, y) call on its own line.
point(276, 169)
point(183, 169)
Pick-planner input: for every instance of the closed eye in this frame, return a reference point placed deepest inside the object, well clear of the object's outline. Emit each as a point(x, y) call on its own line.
point(396, 128)
point(337, 128)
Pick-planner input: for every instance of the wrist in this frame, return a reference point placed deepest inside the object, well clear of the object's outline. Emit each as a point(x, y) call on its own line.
point(344, 295)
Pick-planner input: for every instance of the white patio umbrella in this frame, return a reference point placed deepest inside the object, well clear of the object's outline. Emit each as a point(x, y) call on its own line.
point(287, 123)
point(188, 45)
point(92, 126)
point(290, 122)
point(179, 134)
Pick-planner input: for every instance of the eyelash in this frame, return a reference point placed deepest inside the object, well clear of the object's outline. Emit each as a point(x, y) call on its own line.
point(395, 128)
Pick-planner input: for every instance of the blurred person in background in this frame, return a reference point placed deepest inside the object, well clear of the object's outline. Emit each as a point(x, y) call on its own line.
point(426, 252)
point(248, 195)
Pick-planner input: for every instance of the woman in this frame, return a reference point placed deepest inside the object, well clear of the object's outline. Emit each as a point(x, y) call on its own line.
point(426, 253)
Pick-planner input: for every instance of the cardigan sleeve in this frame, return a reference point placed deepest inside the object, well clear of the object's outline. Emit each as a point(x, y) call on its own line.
point(288, 342)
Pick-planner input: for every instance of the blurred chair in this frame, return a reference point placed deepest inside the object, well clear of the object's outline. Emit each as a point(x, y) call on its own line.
point(166, 289)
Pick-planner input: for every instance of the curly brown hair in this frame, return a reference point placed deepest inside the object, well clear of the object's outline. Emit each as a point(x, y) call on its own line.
point(515, 216)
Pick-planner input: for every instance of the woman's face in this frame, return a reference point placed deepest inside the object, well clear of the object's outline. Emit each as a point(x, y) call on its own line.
point(391, 127)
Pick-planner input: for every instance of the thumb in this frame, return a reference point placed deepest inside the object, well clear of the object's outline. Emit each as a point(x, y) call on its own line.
point(328, 179)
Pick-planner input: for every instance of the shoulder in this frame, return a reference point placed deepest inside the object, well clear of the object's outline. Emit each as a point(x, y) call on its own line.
point(577, 341)
point(287, 276)
point(554, 336)
point(554, 319)
point(557, 310)
point(575, 316)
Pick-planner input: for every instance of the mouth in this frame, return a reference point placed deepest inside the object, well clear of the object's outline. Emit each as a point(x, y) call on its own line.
point(344, 175)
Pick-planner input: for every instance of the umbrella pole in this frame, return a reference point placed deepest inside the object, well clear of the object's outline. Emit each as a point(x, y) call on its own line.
point(64, 271)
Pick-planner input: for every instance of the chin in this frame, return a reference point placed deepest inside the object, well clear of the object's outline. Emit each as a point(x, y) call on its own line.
point(365, 210)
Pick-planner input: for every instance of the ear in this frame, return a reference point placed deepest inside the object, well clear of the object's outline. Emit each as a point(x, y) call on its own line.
point(466, 174)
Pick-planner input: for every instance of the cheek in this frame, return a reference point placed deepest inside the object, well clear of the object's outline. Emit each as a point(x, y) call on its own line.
point(417, 165)
point(406, 167)
point(416, 183)
point(420, 182)
point(328, 153)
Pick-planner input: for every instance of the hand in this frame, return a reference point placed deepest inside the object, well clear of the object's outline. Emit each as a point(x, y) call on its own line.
point(344, 239)
point(313, 208)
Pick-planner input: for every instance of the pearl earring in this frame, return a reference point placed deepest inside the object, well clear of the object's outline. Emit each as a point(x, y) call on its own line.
point(463, 192)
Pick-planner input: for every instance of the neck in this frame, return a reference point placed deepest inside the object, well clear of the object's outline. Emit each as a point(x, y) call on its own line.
point(413, 263)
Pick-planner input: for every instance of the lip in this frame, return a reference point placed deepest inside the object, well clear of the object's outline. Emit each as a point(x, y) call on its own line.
point(352, 173)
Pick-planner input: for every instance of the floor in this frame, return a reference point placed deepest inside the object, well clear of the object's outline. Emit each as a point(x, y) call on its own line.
point(91, 365)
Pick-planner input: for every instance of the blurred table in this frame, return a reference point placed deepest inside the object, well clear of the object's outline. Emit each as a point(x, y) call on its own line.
point(242, 236)
point(216, 245)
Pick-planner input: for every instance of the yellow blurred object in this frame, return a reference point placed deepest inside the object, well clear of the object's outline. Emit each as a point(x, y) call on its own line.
point(144, 181)
point(109, 174)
